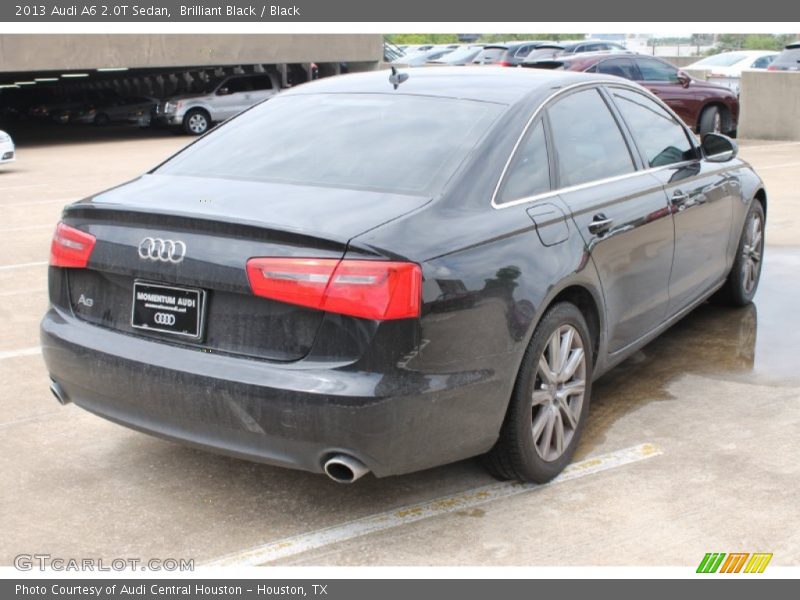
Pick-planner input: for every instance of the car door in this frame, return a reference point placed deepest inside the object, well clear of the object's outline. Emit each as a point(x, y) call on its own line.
point(700, 194)
point(619, 209)
point(662, 79)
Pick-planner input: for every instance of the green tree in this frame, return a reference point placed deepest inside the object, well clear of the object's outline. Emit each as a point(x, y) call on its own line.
point(422, 38)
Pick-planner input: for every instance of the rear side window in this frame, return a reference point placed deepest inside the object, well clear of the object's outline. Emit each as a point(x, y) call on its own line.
point(655, 70)
point(529, 174)
point(621, 67)
point(762, 62)
point(384, 142)
point(662, 139)
point(238, 84)
point(587, 140)
point(523, 51)
point(262, 82)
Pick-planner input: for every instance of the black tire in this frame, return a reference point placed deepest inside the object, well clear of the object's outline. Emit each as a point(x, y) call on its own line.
point(712, 120)
point(196, 122)
point(516, 455)
point(739, 289)
point(101, 120)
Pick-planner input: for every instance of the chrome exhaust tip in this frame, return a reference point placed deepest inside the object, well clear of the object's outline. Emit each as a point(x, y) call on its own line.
point(59, 393)
point(344, 469)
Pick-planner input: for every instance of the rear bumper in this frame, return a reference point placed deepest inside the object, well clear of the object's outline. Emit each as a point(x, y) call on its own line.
point(287, 415)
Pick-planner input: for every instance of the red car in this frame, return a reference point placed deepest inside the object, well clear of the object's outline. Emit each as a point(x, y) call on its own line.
point(705, 107)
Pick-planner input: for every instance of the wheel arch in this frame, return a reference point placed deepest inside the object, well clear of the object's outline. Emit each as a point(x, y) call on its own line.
point(198, 107)
point(761, 196)
point(588, 304)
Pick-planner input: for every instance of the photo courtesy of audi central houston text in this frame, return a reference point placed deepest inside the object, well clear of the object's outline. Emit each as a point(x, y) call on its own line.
point(388, 271)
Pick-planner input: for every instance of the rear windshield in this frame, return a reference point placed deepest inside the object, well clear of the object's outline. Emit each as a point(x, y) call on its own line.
point(393, 143)
point(790, 56)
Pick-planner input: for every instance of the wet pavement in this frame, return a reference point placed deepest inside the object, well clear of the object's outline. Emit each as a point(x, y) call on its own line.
point(718, 395)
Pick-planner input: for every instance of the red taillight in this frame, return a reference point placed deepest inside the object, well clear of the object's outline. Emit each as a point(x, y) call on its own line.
point(370, 289)
point(71, 247)
point(503, 63)
point(772, 68)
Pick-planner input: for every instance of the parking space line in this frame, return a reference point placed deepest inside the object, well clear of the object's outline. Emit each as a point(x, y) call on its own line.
point(4, 354)
point(291, 546)
point(23, 420)
point(23, 265)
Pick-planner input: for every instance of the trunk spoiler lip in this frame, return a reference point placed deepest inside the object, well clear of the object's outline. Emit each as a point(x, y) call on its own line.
point(133, 214)
point(86, 210)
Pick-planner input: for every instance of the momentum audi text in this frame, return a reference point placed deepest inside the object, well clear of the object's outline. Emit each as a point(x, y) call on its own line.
point(387, 273)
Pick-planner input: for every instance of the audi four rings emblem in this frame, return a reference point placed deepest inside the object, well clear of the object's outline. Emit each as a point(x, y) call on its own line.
point(157, 249)
point(164, 318)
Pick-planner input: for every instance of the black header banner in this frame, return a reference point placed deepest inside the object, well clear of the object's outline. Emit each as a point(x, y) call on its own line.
point(439, 11)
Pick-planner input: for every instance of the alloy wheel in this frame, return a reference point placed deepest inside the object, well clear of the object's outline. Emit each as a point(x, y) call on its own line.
point(718, 122)
point(198, 123)
point(751, 253)
point(558, 393)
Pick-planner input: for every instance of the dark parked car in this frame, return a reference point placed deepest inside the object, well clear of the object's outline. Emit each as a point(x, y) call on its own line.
point(133, 110)
point(62, 109)
point(705, 107)
point(506, 55)
point(399, 272)
point(553, 49)
point(788, 60)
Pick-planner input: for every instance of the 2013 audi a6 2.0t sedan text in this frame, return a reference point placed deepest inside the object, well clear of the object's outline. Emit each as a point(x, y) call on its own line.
point(388, 272)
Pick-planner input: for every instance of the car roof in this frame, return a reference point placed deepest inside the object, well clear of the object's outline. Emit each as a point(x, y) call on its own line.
point(793, 45)
point(587, 59)
point(482, 83)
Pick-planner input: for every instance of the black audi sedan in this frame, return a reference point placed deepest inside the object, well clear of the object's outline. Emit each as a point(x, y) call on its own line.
point(388, 272)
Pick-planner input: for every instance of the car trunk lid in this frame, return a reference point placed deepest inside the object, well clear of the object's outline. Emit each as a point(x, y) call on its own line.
point(216, 225)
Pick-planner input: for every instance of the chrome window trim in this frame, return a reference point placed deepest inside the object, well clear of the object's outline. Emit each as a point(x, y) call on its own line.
point(591, 85)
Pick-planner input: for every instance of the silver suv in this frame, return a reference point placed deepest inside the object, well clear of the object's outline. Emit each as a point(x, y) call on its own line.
point(221, 98)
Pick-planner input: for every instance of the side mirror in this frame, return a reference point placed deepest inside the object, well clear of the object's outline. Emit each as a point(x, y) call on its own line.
point(719, 148)
point(223, 91)
point(684, 79)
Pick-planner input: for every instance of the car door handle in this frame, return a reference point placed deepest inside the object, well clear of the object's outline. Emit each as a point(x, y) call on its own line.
point(679, 198)
point(600, 224)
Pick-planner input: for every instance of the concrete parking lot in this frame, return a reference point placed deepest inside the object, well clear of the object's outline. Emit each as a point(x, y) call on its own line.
point(691, 445)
